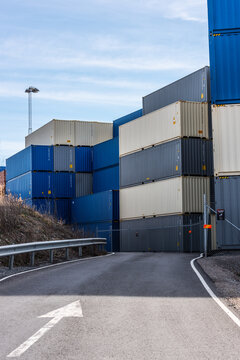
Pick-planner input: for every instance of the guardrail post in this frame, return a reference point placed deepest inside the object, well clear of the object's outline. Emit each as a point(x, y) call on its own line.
point(32, 261)
point(11, 261)
point(51, 256)
point(67, 254)
point(80, 251)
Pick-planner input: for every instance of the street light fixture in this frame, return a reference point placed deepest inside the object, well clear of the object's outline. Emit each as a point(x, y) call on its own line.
point(30, 90)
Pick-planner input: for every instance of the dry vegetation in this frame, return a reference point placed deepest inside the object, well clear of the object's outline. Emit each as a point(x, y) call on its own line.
point(20, 224)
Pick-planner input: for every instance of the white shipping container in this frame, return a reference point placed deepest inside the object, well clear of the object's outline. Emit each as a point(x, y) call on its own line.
point(171, 122)
point(226, 144)
point(178, 195)
point(70, 132)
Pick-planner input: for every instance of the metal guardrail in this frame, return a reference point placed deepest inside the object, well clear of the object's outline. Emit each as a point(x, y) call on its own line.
point(11, 250)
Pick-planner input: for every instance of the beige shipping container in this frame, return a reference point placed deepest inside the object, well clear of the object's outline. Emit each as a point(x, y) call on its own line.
point(174, 121)
point(173, 196)
point(70, 132)
point(226, 144)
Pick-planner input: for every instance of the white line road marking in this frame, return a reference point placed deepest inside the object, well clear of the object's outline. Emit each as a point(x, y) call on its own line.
point(214, 296)
point(53, 265)
point(71, 310)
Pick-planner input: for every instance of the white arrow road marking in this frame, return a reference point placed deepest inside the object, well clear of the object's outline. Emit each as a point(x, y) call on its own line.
point(72, 310)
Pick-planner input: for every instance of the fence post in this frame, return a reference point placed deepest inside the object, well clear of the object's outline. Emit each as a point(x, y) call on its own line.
point(67, 254)
point(32, 260)
point(80, 251)
point(11, 261)
point(51, 256)
point(205, 223)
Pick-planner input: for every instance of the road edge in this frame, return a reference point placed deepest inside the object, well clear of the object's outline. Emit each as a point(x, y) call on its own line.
point(232, 316)
point(53, 265)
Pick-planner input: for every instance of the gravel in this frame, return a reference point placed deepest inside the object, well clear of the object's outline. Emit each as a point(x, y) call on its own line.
point(224, 270)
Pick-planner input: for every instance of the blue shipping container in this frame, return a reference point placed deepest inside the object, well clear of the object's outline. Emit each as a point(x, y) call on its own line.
point(108, 230)
point(106, 154)
point(42, 185)
point(83, 158)
point(33, 158)
point(98, 207)
point(106, 179)
point(125, 119)
point(2, 168)
point(225, 69)
point(61, 208)
point(223, 15)
point(30, 185)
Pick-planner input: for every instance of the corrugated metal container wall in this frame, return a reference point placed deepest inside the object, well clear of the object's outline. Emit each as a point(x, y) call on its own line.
point(2, 168)
point(164, 233)
point(84, 184)
point(228, 198)
point(223, 15)
point(70, 132)
point(98, 207)
point(83, 159)
point(31, 185)
point(225, 71)
point(102, 132)
point(64, 158)
point(108, 230)
point(125, 119)
point(190, 156)
point(33, 158)
point(194, 87)
point(226, 129)
point(63, 185)
point(106, 179)
point(61, 208)
point(106, 154)
point(44, 206)
point(172, 196)
point(171, 122)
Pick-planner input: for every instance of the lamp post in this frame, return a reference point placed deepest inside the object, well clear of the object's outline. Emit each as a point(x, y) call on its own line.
point(30, 90)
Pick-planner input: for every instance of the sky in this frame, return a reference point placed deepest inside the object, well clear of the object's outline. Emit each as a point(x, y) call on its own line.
point(92, 60)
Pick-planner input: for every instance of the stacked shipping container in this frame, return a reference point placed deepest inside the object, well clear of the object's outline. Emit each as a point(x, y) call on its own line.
point(224, 42)
point(157, 200)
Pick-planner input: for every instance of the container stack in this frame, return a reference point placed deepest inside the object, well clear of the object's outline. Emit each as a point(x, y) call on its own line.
point(48, 176)
point(224, 41)
point(165, 168)
point(2, 180)
point(98, 214)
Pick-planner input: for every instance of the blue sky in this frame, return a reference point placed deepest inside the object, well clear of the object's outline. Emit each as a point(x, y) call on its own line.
point(92, 60)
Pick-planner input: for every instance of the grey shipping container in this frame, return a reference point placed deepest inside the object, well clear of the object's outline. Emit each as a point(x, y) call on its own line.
point(194, 87)
point(176, 233)
point(84, 184)
point(180, 157)
point(227, 192)
point(64, 158)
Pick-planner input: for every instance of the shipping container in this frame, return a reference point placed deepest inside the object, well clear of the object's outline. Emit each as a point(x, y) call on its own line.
point(178, 195)
point(98, 207)
point(179, 157)
point(223, 15)
point(64, 158)
point(70, 132)
point(33, 158)
point(225, 71)
point(83, 159)
point(226, 129)
point(194, 87)
point(31, 185)
point(106, 154)
point(3, 177)
point(125, 119)
point(84, 184)
point(181, 119)
point(60, 208)
point(107, 229)
point(106, 179)
point(2, 168)
point(176, 233)
point(228, 198)
point(63, 185)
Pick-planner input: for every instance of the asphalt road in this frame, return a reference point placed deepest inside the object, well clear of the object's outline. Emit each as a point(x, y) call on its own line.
point(135, 306)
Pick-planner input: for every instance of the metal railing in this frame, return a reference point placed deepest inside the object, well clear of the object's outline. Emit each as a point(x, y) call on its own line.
point(11, 250)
